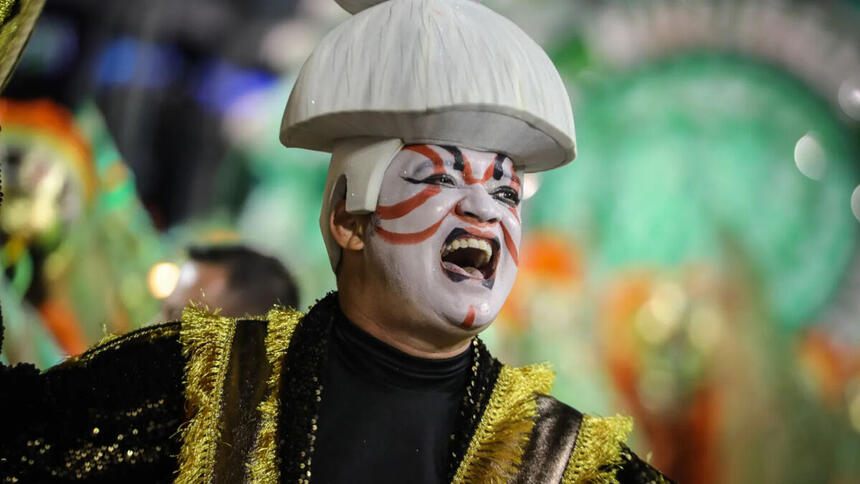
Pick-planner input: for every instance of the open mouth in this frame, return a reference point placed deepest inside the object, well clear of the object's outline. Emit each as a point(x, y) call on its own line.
point(466, 255)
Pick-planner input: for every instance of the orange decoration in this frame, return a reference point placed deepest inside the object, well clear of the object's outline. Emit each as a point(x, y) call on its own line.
point(547, 262)
point(832, 365)
point(52, 123)
point(61, 322)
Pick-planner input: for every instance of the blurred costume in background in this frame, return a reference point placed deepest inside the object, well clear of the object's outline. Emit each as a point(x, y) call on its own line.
point(77, 242)
point(433, 110)
point(237, 280)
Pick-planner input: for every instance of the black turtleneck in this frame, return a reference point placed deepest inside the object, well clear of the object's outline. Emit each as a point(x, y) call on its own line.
point(385, 416)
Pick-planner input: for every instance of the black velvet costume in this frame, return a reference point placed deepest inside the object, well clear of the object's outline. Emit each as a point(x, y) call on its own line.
point(110, 415)
point(168, 403)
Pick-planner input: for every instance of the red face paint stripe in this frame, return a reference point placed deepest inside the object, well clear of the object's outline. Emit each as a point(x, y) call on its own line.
point(516, 184)
point(398, 210)
point(514, 211)
point(488, 173)
point(470, 318)
point(470, 179)
point(467, 171)
point(427, 152)
point(413, 238)
point(512, 248)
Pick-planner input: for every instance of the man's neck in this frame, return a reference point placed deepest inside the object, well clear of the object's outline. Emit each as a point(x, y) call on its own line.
point(411, 339)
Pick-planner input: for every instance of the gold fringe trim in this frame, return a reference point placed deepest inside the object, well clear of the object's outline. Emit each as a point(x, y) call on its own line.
point(263, 464)
point(497, 448)
point(597, 454)
point(206, 343)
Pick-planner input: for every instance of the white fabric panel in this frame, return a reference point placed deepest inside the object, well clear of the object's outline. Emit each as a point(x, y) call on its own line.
point(355, 175)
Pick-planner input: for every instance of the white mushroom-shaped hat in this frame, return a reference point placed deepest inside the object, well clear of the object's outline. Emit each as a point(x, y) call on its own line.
point(432, 71)
point(447, 72)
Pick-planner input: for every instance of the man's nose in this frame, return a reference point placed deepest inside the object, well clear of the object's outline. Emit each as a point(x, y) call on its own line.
point(478, 205)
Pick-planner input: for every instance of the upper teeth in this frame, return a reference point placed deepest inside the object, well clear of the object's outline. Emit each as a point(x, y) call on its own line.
point(471, 243)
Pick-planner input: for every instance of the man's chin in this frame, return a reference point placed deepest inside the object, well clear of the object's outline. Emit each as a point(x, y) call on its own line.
point(466, 306)
point(469, 319)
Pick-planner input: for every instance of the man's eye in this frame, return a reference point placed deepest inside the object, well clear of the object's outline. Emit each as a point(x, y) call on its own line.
point(441, 179)
point(507, 195)
point(436, 179)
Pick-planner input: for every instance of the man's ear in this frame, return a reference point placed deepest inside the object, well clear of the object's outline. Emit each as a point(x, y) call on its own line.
point(347, 229)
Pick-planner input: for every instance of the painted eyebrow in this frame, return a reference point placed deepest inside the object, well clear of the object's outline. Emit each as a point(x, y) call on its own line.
point(459, 160)
point(514, 180)
point(498, 170)
point(425, 168)
point(425, 163)
point(431, 156)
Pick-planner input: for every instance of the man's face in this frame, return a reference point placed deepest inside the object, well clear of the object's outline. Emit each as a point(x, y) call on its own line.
point(446, 232)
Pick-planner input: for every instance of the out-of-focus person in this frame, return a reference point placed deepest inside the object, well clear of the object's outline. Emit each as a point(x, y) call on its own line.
point(234, 279)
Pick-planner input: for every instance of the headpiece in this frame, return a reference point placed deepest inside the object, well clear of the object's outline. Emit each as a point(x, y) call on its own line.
point(449, 72)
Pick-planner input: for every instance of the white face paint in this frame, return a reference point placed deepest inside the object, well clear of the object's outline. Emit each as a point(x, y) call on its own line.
point(446, 233)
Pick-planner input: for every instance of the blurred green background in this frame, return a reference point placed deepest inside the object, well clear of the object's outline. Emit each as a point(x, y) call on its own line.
point(696, 267)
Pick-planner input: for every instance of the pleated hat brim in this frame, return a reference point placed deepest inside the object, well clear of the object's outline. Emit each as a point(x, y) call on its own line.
point(433, 71)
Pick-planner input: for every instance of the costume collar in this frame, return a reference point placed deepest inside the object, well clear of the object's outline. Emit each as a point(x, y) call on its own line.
point(494, 420)
point(493, 425)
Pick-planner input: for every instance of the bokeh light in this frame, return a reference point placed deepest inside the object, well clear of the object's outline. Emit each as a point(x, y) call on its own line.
point(855, 202)
point(531, 184)
point(809, 157)
point(849, 97)
point(163, 278)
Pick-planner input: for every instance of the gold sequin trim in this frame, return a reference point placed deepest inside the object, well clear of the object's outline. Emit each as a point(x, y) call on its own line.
point(263, 465)
point(597, 455)
point(496, 450)
point(112, 342)
point(206, 343)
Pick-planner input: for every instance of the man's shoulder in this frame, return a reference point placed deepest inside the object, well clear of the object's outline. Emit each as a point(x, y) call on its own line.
point(127, 371)
point(567, 445)
point(164, 337)
point(595, 447)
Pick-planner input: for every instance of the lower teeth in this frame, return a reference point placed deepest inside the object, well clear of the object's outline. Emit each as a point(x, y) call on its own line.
point(472, 271)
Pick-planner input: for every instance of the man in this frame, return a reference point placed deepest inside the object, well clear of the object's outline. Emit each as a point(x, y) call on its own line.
point(234, 279)
point(432, 109)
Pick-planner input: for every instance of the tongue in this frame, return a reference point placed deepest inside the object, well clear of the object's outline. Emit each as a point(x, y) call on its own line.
point(473, 272)
point(466, 271)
